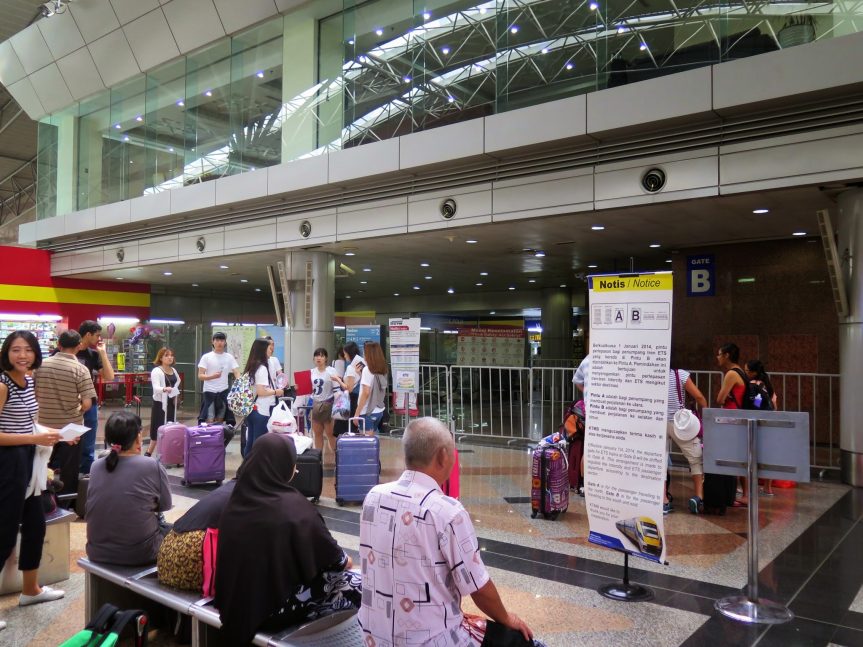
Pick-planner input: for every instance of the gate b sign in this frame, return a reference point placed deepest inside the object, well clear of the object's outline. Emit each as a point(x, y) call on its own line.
point(700, 276)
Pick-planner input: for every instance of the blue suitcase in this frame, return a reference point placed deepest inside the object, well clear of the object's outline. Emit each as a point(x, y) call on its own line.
point(358, 466)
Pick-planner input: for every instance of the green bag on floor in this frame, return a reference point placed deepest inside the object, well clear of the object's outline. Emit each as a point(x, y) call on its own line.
point(106, 626)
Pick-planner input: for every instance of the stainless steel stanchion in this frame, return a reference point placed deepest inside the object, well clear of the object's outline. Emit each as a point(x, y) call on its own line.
point(750, 608)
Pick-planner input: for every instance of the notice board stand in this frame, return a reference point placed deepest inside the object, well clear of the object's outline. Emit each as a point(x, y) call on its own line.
point(756, 444)
point(625, 591)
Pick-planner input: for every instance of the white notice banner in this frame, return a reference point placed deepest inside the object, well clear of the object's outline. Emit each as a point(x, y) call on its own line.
point(404, 338)
point(630, 339)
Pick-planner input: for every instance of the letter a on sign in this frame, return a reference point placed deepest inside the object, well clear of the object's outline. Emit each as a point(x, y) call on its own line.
point(700, 276)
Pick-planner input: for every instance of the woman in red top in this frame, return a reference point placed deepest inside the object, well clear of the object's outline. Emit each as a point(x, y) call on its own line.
point(731, 394)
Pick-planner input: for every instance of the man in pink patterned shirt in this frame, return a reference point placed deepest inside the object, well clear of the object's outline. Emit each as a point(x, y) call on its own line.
point(420, 554)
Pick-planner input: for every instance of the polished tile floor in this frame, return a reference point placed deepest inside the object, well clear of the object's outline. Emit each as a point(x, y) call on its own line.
point(810, 538)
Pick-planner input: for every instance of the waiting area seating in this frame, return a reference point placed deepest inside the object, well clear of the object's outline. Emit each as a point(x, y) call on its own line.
point(137, 587)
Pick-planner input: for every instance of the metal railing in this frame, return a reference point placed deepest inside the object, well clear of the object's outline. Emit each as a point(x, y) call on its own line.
point(523, 404)
point(814, 393)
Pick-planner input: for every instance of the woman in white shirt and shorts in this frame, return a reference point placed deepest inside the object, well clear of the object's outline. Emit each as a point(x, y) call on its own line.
point(325, 382)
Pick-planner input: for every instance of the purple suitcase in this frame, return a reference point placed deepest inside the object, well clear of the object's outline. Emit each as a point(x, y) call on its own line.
point(172, 441)
point(549, 491)
point(204, 455)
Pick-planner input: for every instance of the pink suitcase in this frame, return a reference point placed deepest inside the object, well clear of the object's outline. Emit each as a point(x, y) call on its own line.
point(549, 493)
point(172, 439)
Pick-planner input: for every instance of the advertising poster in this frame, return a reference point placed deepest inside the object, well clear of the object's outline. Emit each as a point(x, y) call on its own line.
point(404, 352)
point(630, 340)
point(362, 334)
point(278, 335)
point(240, 340)
point(501, 346)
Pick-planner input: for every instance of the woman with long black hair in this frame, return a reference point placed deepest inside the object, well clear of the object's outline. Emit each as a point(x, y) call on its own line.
point(257, 368)
point(19, 356)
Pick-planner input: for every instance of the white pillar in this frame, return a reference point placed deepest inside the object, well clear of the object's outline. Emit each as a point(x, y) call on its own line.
point(850, 233)
point(316, 329)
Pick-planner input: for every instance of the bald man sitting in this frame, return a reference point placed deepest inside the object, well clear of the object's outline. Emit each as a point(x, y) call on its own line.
point(420, 555)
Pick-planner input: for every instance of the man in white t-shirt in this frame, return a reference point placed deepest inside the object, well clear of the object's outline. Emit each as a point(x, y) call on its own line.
point(213, 371)
point(581, 377)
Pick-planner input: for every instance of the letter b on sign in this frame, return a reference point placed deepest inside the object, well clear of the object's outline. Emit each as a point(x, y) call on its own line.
point(700, 276)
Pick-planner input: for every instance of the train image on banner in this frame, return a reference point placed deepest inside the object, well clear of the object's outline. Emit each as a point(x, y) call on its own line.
point(643, 533)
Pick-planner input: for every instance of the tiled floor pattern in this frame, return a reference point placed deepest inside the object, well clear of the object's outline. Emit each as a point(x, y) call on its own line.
point(548, 573)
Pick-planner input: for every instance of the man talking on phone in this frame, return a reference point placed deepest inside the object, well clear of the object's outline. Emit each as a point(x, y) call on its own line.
point(91, 353)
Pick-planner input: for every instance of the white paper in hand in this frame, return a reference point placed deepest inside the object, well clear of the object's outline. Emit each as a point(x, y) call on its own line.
point(73, 431)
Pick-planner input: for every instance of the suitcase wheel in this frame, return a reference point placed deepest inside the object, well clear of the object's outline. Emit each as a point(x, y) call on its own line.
point(340, 502)
point(554, 516)
point(184, 482)
point(316, 500)
point(533, 514)
point(219, 483)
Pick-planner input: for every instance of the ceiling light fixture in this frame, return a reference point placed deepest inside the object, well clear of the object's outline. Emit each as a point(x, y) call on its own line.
point(655, 245)
point(444, 50)
point(244, 280)
point(367, 269)
point(483, 273)
point(194, 285)
point(799, 233)
point(139, 119)
point(479, 285)
point(569, 66)
point(223, 267)
point(180, 103)
point(539, 253)
point(168, 273)
point(760, 211)
point(426, 15)
point(511, 287)
point(513, 30)
point(260, 74)
point(471, 241)
point(379, 31)
point(119, 278)
point(416, 287)
point(531, 280)
point(257, 289)
point(597, 227)
point(424, 264)
point(450, 291)
point(350, 254)
point(594, 6)
point(364, 282)
point(592, 267)
point(395, 294)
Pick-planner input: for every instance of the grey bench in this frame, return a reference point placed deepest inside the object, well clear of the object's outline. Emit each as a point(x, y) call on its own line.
point(136, 586)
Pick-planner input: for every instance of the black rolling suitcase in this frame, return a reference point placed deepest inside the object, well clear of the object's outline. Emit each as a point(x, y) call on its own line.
point(719, 493)
point(309, 479)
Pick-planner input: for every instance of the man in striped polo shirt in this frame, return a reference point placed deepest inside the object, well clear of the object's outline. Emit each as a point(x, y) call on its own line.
point(64, 390)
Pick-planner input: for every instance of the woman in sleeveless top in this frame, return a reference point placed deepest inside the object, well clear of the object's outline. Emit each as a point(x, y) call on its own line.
point(731, 394)
point(20, 504)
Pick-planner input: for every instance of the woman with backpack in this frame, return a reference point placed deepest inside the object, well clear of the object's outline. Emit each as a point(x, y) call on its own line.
point(258, 372)
point(756, 373)
point(373, 387)
point(731, 394)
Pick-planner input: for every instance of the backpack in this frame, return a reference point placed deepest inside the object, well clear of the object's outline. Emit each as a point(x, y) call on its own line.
point(755, 394)
point(573, 421)
point(108, 625)
point(241, 397)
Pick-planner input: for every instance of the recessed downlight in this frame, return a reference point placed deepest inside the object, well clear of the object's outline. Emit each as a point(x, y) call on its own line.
point(350, 253)
point(168, 273)
point(450, 291)
point(471, 241)
point(244, 280)
point(395, 294)
point(416, 287)
point(668, 260)
point(363, 282)
point(592, 267)
point(799, 233)
point(597, 227)
point(531, 280)
point(511, 287)
point(760, 211)
point(194, 285)
point(655, 245)
point(119, 278)
point(539, 253)
point(367, 269)
point(424, 264)
point(223, 267)
point(427, 278)
point(479, 285)
point(483, 273)
point(257, 289)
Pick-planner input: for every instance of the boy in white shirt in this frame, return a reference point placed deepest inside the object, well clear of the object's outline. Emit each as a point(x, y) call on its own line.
point(213, 369)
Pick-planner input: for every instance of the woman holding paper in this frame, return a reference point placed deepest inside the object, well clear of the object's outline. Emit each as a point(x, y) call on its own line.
point(20, 501)
point(166, 388)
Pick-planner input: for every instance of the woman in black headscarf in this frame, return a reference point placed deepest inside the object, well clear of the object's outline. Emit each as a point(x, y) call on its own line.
point(277, 563)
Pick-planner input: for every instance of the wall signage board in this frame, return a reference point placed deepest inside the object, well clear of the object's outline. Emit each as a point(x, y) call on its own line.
point(625, 464)
point(240, 338)
point(362, 334)
point(501, 346)
point(700, 276)
point(404, 340)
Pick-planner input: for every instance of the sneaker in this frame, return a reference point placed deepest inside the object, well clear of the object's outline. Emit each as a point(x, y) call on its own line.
point(696, 505)
point(2, 625)
point(666, 508)
point(47, 595)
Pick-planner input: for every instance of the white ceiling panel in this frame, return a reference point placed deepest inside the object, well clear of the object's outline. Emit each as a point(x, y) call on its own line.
point(239, 15)
point(22, 91)
point(61, 33)
point(151, 40)
point(193, 22)
point(95, 18)
point(113, 58)
point(79, 71)
point(51, 88)
point(129, 10)
point(11, 69)
point(31, 48)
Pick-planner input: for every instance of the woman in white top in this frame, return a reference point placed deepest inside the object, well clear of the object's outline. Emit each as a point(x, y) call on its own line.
point(166, 389)
point(339, 363)
point(373, 387)
point(353, 371)
point(273, 362)
point(325, 382)
point(257, 368)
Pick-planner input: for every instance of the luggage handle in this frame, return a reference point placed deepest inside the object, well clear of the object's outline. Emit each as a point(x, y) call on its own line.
point(362, 432)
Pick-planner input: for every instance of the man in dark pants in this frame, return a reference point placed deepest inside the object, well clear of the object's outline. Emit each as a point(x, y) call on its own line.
point(64, 390)
point(213, 370)
point(91, 353)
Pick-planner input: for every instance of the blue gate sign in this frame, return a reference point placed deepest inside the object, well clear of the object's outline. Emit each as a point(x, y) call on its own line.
point(700, 276)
